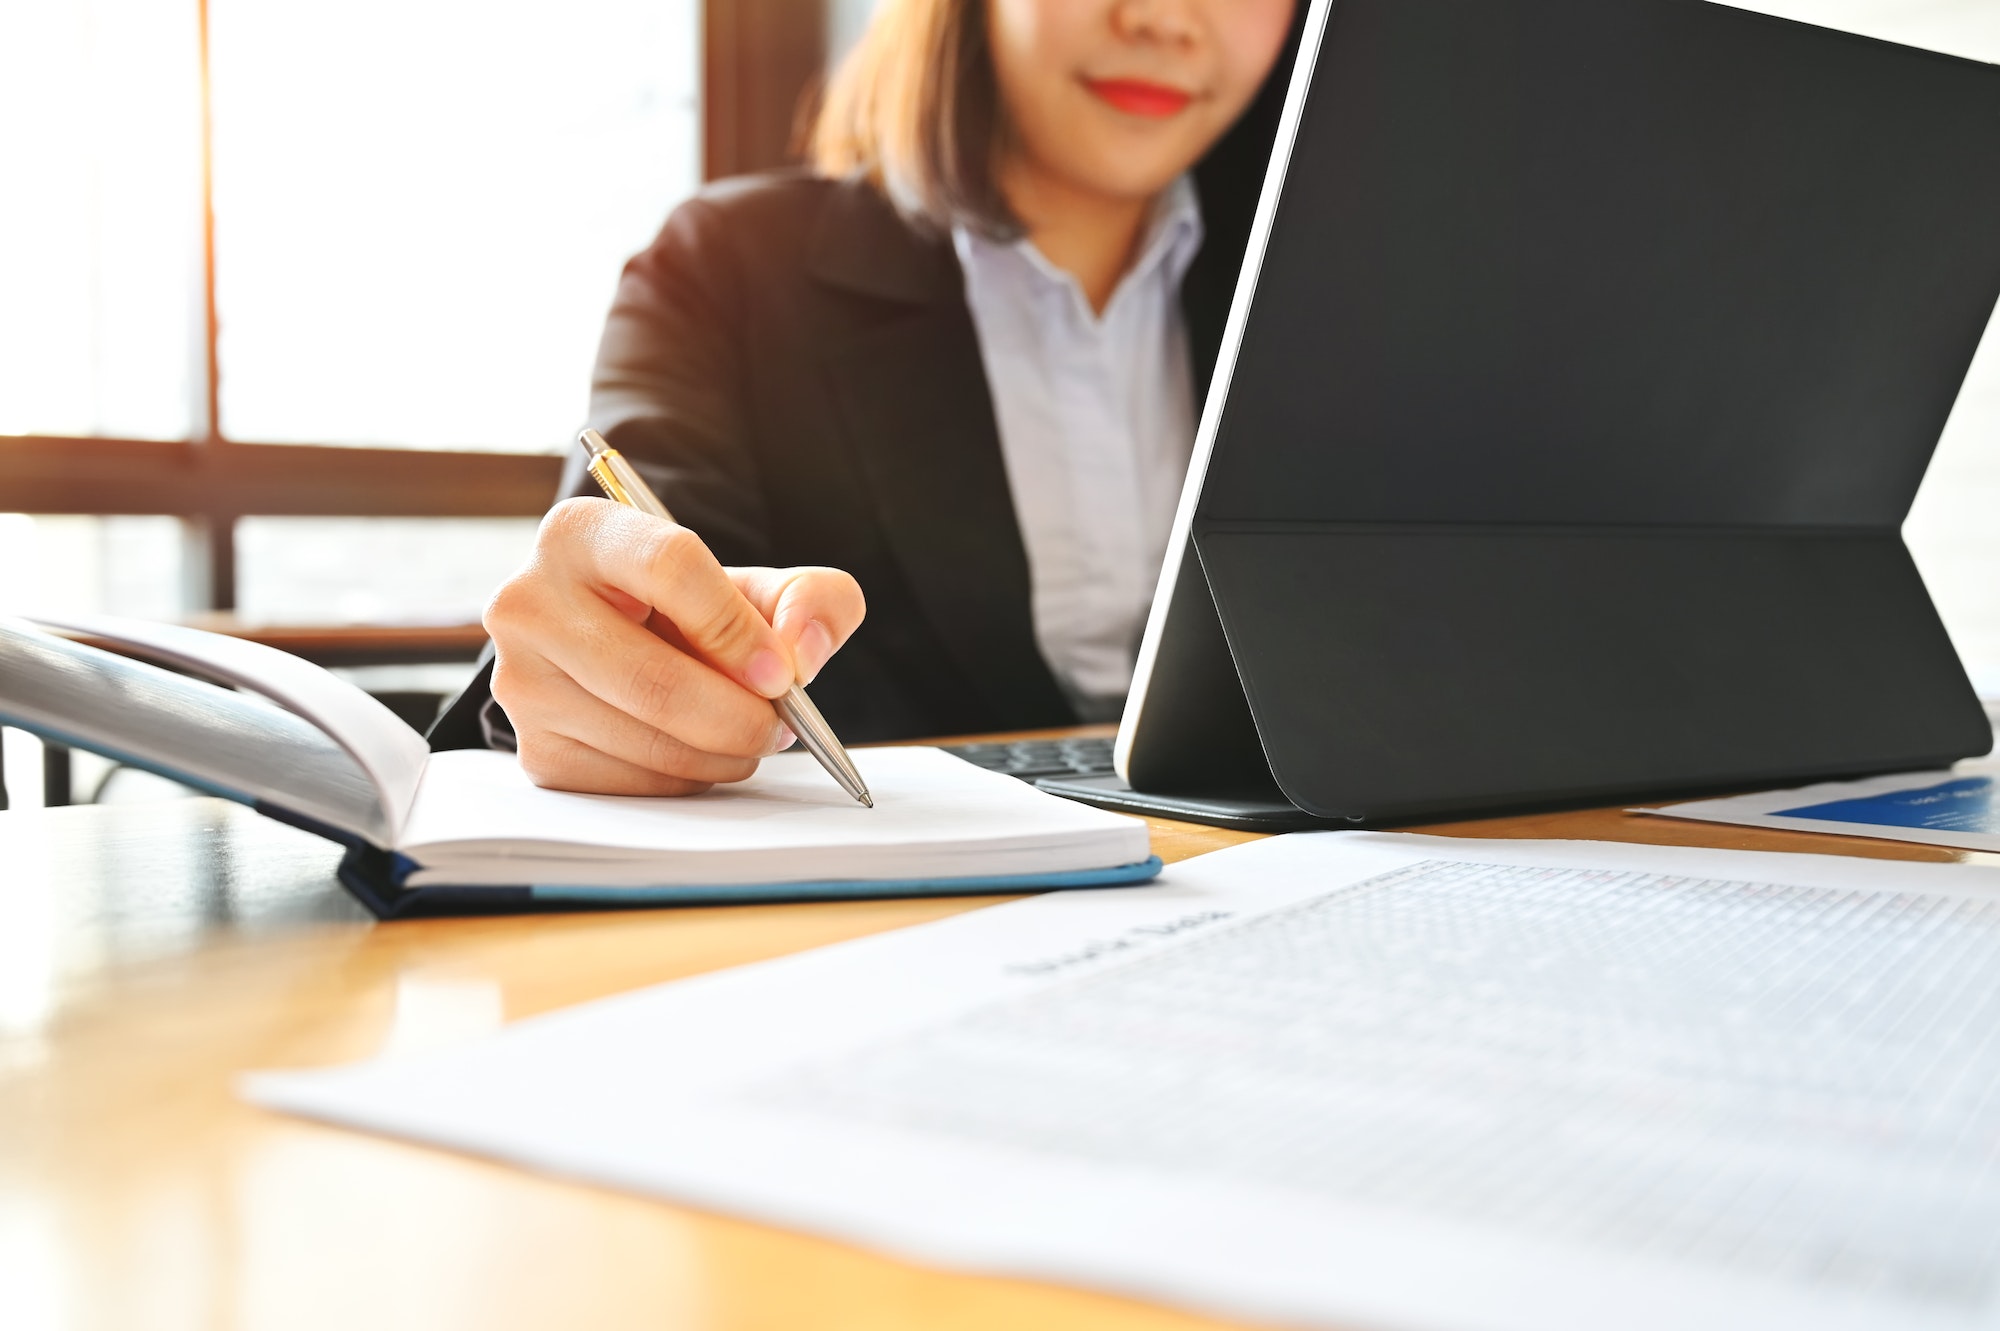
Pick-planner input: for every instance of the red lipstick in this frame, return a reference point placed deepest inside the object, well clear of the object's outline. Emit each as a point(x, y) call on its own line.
point(1138, 98)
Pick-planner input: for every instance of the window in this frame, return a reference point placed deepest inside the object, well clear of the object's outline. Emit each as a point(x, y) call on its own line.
point(374, 570)
point(420, 211)
point(422, 206)
point(100, 240)
point(91, 565)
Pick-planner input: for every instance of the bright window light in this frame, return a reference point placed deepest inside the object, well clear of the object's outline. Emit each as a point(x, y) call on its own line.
point(100, 170)
point(422, 207)
point(75, 563)
point(374, 570)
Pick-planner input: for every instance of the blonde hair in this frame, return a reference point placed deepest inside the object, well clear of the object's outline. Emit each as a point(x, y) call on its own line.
point(915, 108)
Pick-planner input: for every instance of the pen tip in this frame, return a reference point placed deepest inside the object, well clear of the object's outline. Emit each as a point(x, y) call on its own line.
point(867, 800)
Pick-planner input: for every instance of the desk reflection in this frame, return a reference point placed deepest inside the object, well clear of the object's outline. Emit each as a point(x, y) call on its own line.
point(151, 953)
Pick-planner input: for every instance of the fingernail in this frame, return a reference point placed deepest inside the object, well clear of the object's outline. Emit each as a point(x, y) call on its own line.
point(766, 673)
point(815, 646)
point(785, 739)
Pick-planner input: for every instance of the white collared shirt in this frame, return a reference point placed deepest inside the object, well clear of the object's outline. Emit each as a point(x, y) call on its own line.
point(1096, 417)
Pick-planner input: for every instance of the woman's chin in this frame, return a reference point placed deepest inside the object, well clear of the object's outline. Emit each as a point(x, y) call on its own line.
point(1126, 166)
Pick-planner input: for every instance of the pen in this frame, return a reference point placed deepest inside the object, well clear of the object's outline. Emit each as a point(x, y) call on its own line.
point(617, 478)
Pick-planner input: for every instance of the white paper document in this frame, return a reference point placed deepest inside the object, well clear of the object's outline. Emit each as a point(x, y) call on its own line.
point(1338, 1079)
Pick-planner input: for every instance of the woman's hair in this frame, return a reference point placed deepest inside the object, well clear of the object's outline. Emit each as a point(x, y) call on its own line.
point(916, 109)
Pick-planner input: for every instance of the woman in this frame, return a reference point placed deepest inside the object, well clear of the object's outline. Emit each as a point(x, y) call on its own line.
point(956, 366)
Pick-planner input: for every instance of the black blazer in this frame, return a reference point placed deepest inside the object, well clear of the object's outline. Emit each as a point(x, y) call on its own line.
point(793, 367)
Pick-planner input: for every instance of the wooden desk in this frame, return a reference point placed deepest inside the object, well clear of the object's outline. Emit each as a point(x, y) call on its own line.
point(149, 953)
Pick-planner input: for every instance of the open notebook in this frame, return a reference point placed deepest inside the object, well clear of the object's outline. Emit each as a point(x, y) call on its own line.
point(466, 831)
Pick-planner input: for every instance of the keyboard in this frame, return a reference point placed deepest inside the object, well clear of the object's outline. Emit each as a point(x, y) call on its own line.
point(1030, 758)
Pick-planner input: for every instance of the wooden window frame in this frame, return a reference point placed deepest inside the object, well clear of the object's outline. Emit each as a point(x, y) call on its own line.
point(761, 60)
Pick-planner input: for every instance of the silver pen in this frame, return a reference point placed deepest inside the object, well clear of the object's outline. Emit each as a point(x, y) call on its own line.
point(624, 485)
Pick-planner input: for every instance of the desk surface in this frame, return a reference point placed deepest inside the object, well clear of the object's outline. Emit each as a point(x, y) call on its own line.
point(149, 953)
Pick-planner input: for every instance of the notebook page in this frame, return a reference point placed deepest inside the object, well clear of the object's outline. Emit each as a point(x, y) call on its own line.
point(476, 812)
point(1338, 1079)
point(232, 744)
point(392, 754)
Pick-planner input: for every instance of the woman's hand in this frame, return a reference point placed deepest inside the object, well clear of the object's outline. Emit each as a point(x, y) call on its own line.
point(632, 663)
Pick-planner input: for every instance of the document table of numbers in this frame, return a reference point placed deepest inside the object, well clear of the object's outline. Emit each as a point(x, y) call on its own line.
point(1343, 1079)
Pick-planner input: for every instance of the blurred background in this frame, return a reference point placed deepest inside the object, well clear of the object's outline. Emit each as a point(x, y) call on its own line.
point(298, 299)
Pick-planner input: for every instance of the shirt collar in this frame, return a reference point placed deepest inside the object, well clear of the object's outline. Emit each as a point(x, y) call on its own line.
point(1173, 232)
point(1172, 237)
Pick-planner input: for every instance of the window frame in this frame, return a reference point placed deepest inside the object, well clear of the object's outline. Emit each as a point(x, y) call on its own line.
point(761, 62)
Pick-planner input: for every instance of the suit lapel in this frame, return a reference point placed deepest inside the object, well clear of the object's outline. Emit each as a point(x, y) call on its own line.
point(915, 407)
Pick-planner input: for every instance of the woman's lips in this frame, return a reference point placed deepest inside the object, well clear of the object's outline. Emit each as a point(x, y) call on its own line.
point(1139, 98)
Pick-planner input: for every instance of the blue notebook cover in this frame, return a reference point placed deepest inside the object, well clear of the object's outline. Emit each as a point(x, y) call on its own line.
point(375, 878)
point(372, 876)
